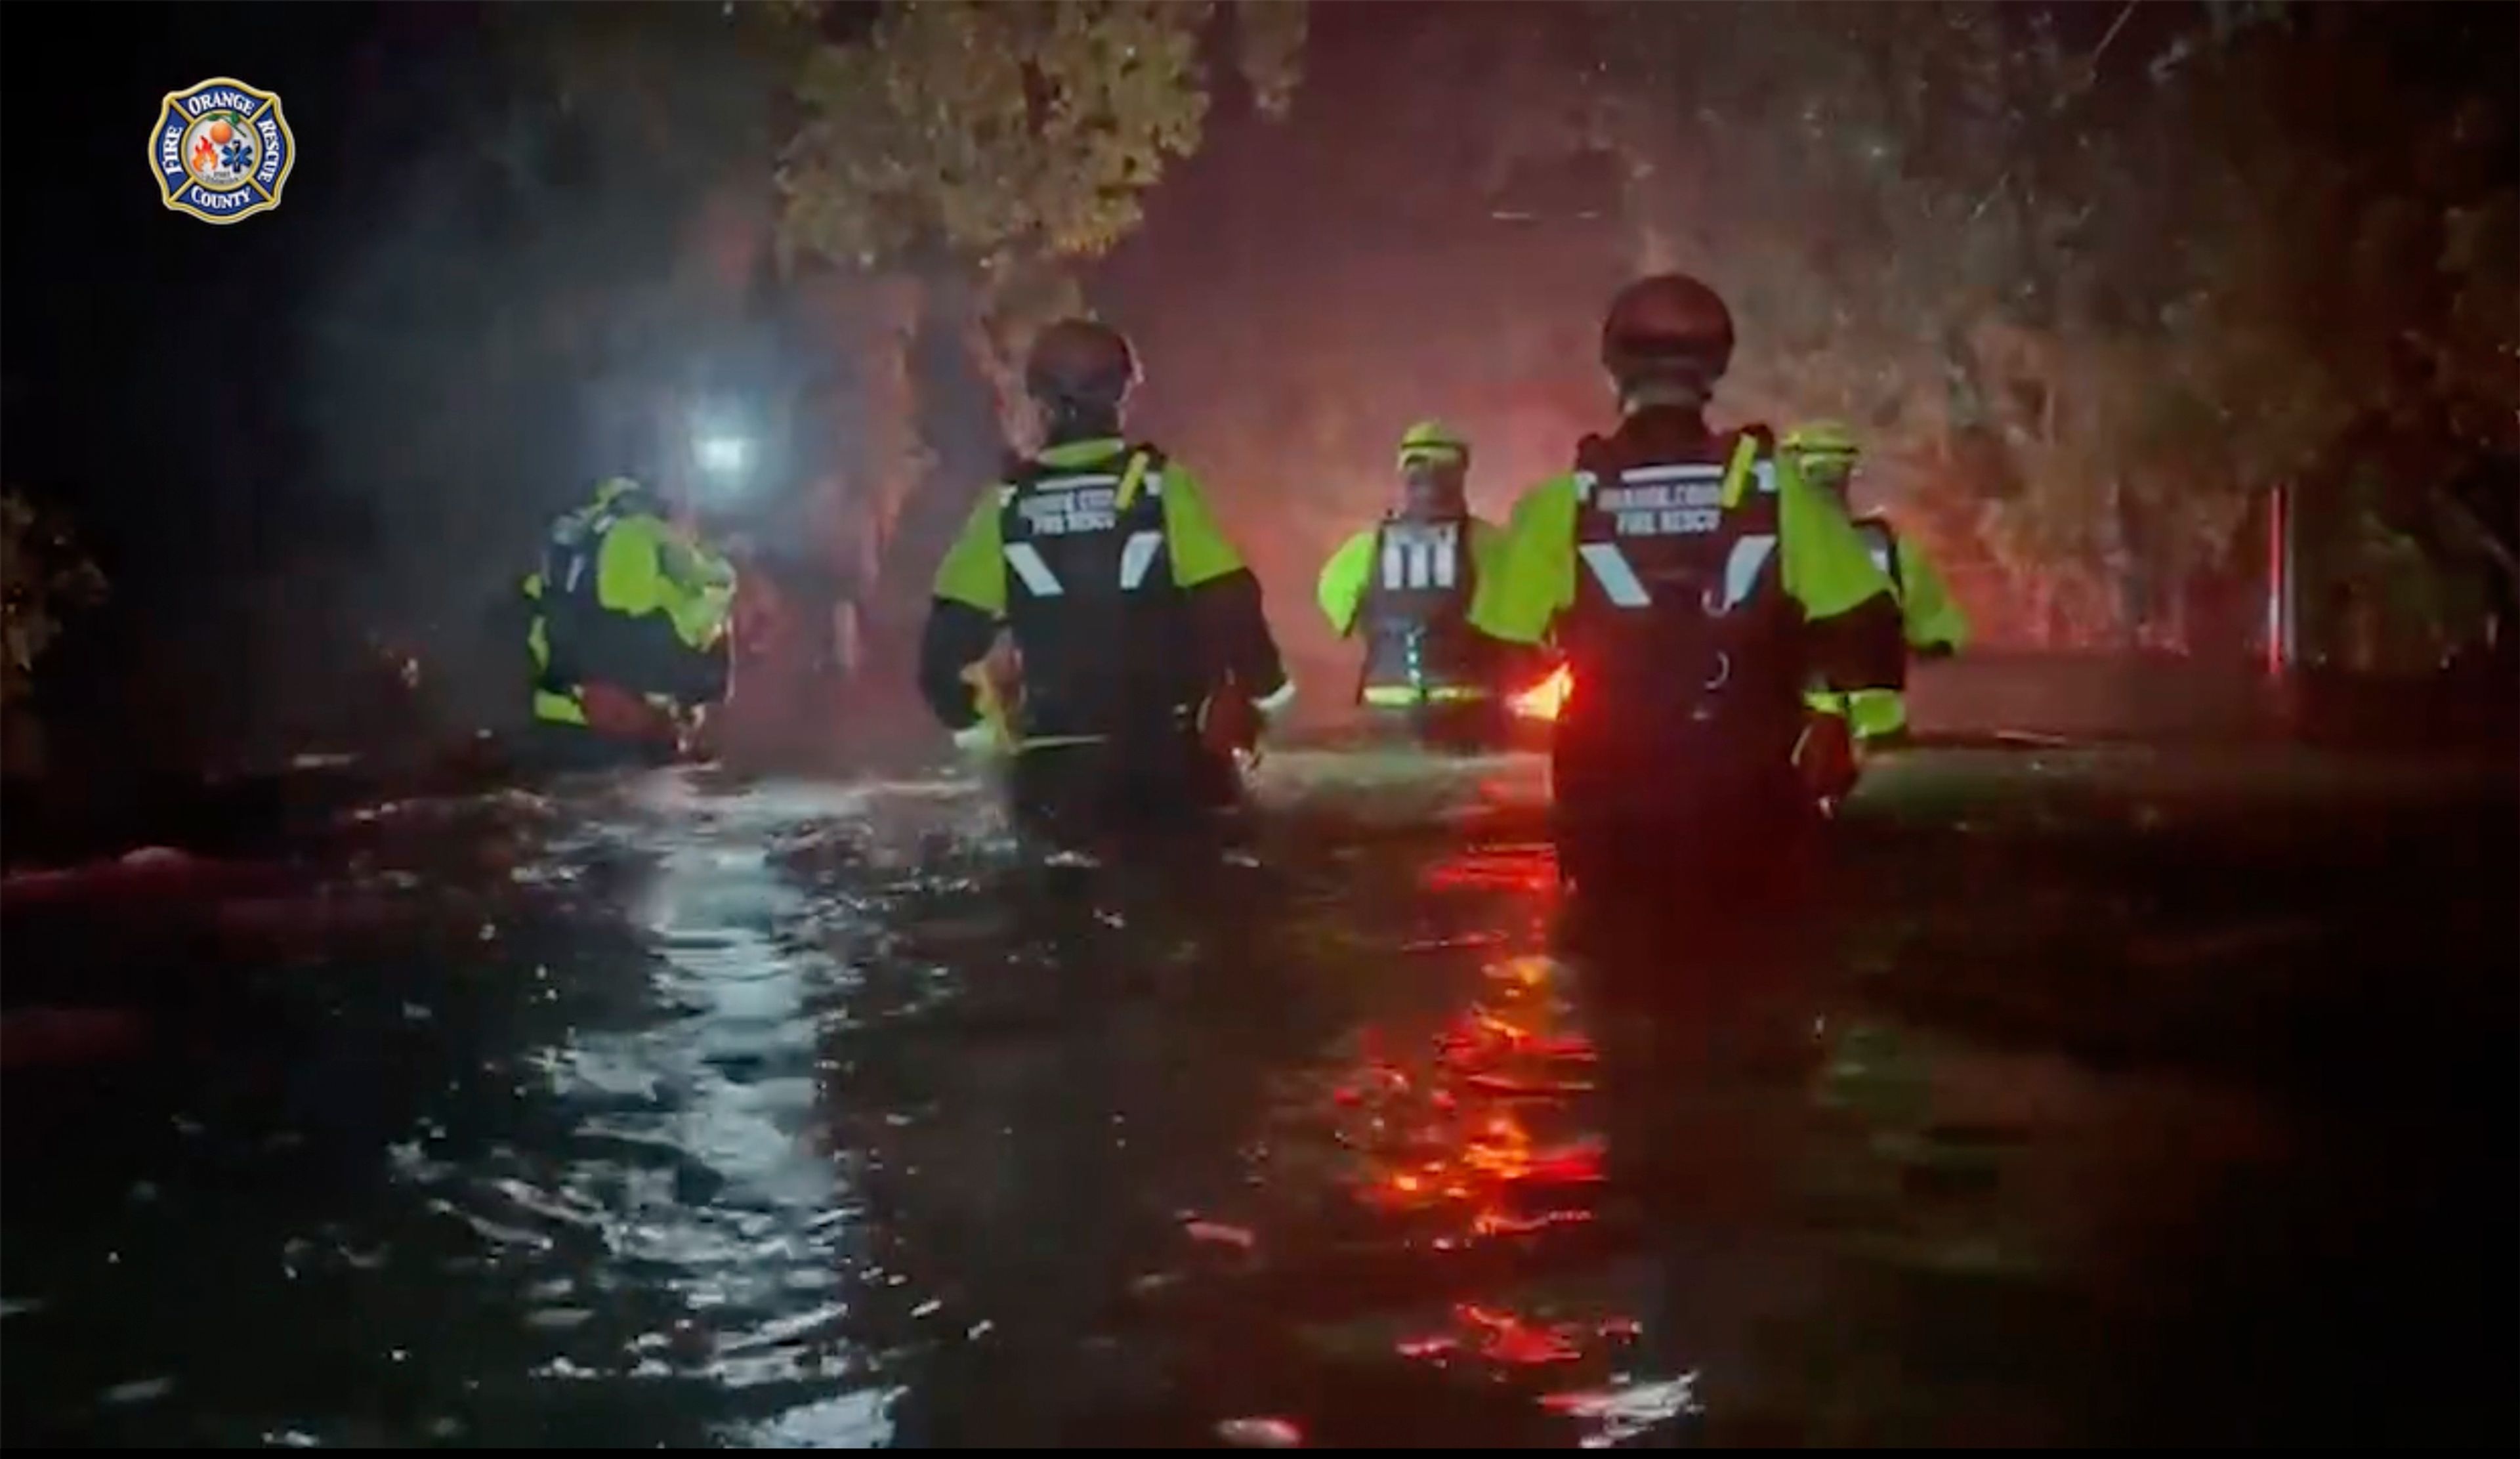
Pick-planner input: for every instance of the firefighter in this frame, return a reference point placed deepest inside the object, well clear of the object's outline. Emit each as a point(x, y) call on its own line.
point(1825, 455)
point(1141, 664)
point(629, 637)
point(1697, 586)
point(1406, 585)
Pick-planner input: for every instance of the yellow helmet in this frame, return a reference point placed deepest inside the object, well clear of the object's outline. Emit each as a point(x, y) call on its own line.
point(1822, 438)
point(1429, 439)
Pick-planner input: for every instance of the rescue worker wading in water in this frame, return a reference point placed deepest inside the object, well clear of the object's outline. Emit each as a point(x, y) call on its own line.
point(629, 639)
point(1825, 454)
point(1143, 662)
point(1697, 590)
point(1405, 587)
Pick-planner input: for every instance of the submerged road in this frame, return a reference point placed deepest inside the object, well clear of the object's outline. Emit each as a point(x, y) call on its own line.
point(2118, 1097)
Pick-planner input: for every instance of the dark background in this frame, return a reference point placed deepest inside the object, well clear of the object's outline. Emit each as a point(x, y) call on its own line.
point(155, 364)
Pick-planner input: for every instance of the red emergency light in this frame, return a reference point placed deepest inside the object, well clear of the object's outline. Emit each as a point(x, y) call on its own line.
point(1546, 700)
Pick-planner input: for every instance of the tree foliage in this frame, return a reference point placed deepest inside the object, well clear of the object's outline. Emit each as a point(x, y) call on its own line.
point(1270, 49)
point(992, 131)
point(2087, 319)
point(963, 158)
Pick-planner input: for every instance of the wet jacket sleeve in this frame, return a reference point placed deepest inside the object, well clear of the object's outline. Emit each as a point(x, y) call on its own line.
point(1532, 578)
point(1935, 623)
point(962, 618)
point(1850, 614)
point(1343, 578)
point(701, 585)
point(636, 639)
point(698, 587)
point(1224, 595)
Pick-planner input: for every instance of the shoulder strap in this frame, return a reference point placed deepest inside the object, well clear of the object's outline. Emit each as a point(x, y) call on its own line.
point(574, 547)
point(1739, 464)
point(1019, 471)
point(1146, 460)
point(1374, 571)
point(1594, 462)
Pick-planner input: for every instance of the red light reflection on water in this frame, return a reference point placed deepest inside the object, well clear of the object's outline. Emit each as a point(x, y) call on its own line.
point(1464, 1141)
point(1454, 1131)
point(1492, 1333)
point(1530, 867)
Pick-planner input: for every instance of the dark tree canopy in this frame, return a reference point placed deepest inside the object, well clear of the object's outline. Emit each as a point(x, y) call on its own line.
point(2092, 317)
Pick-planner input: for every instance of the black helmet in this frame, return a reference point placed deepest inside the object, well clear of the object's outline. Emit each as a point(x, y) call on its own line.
point(1667, 324)
point(1079, 362)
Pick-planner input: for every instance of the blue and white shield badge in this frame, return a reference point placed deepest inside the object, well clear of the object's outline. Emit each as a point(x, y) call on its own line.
point(221, 150)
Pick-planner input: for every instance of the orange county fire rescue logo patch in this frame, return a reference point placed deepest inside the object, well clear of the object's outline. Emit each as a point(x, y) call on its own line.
point(221, 150)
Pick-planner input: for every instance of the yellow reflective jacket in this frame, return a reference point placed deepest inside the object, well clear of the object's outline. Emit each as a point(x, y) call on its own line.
point(661, 606)
point(1419, 648)
point(1825, 565)
point(1146, 510)
point(1350, 570)
point(974, 570)
point(1930, 619)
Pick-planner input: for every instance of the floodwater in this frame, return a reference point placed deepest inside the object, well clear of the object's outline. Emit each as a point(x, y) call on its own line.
point(2113, 1096)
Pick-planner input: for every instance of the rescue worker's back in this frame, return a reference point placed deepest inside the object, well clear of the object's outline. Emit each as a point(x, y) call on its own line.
point(627, 610)
point(1697, 586)
point(1136, 623)
point(1693, 586)
point(1124, 598)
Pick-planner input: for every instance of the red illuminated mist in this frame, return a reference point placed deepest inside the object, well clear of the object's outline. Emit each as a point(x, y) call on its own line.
point(1303, 290)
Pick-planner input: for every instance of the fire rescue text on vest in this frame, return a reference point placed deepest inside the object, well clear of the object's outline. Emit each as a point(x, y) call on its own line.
point(1665, 511)
point(1053, 514)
